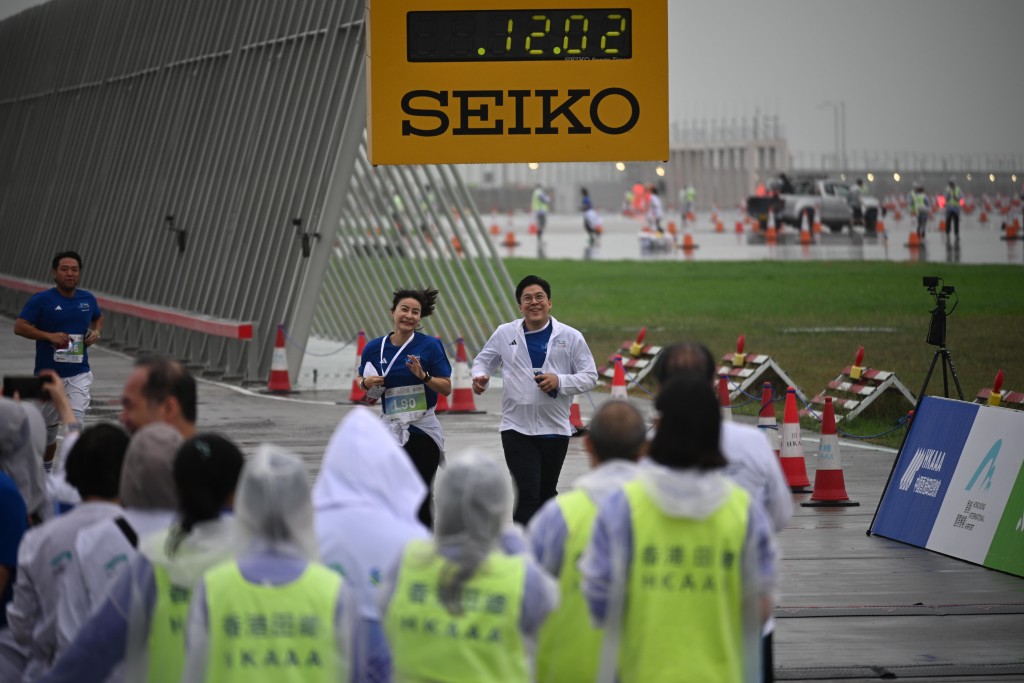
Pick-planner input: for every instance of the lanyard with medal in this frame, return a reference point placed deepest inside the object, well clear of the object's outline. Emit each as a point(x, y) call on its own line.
point(402, 404)
point(373, 394)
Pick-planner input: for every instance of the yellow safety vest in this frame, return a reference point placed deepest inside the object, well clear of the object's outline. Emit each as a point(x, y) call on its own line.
point(166, 644)
point(920, 203)
point(683, 619)
point(568, 645)
point(273, 634)
point(481, 645)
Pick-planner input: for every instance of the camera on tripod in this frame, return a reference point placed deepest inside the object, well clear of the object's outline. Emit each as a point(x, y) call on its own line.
point(942, 293)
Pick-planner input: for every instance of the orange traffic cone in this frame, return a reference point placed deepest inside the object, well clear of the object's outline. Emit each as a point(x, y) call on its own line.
point(996, 397)
point(766, 416)
point(723, 397)
point(770, 234)
point(942, 225)
point(805, 230)
point(829, 485)
point(619, 381)
point(575, 420)
point(672, 228)
point(739, 359)
point(719, 226)
point(913, 241)
point(495, 230)
point(442, 401)
point(856, 370)
point(688, 244)
point(637, 347)
point(357, 391)
point(533, 229)
point(816, 226)
point(879, 226)
point(510, 240)
point(279, 382)
point(791, 456)
point(739, 227)
point(462, 383)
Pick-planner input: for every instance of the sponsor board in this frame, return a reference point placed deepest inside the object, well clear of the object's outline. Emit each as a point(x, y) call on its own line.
point(958, 485)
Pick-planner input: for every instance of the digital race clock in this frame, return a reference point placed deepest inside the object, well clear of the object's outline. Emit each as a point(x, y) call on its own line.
point(498, 81)
point(519, 35)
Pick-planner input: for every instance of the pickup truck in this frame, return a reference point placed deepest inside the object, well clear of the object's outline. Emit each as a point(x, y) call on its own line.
point(827, 196)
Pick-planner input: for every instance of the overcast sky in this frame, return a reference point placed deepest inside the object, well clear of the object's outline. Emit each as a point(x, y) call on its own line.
point(926, 76)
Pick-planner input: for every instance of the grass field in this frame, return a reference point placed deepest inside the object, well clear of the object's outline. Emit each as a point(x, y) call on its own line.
point(809, 316)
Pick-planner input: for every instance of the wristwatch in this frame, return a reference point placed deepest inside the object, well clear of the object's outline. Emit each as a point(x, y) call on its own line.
point(427, 377)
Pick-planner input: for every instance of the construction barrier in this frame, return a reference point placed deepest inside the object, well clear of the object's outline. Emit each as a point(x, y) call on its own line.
point(748, 370)
point(636, 357)
point(995, 396)
point(858, 387)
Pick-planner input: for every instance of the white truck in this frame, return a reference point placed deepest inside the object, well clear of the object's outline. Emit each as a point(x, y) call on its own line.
point(803, 196)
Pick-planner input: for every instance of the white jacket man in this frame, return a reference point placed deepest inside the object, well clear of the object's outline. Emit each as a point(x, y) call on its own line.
point(544, 364)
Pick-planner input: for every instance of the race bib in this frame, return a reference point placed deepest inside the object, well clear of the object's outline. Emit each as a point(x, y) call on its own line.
point(405, 404)
point(73, 353)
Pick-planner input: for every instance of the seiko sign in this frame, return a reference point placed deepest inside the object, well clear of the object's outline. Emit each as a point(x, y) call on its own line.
point(555, 81)
point(496, 112)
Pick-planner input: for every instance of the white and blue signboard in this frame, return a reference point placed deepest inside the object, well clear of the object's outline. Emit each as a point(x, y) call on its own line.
point(958, 485)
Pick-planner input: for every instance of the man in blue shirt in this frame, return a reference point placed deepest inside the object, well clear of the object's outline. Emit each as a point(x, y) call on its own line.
point(63, 322)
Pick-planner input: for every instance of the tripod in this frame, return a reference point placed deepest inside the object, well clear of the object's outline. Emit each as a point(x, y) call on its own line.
point(937, 337)
point(947, 361)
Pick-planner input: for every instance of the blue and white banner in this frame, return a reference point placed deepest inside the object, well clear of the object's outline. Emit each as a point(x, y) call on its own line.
point(958, 485)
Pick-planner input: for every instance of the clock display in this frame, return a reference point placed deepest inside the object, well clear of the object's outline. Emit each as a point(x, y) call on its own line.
point(519, 35)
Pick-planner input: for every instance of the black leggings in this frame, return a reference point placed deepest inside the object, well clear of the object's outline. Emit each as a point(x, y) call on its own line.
point(953, 223)
point(425, 456)
point(535, 463)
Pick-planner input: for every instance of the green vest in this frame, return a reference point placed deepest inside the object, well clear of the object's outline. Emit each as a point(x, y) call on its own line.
point(166, 644)
point(683, 619)
point(538, 203)
point(919, 200)
point(482, 645)
point(273, 634)
point(568, 646)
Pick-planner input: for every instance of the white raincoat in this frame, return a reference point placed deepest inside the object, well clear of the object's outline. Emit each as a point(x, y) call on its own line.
point(44, 553)
point(366, 499)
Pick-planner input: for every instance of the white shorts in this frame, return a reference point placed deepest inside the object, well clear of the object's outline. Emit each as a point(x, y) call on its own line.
point(77, 388)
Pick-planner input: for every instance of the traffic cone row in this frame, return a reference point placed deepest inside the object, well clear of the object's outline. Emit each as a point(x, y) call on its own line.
point(279, 382)
point(791, 454)
point(575, 419)
point(357, 393)
point(766, 416)
point(723, 398)
point(805, 230)
point(619, 381)
point(462, 383)
point(442, 401)
point(829, 483)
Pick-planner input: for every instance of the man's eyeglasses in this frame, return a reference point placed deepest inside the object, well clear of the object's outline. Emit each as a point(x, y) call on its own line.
point(528, 299)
